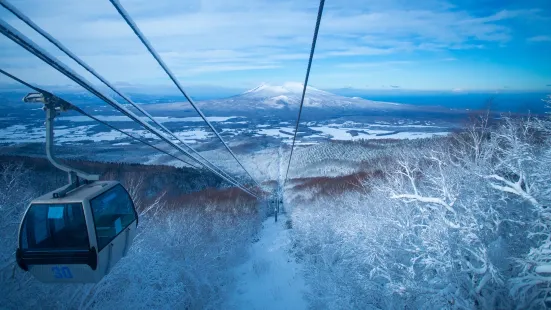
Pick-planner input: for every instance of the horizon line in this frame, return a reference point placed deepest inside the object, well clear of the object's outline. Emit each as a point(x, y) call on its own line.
point(5, 87)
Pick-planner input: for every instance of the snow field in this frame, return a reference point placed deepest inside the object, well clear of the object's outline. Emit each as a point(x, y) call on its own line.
point(270, 279)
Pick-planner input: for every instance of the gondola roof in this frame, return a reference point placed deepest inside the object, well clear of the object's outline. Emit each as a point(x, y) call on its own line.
point(87, 191)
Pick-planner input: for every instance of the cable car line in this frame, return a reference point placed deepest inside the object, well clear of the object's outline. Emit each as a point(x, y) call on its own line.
point(77, 233)
point(71, 55)
point(124, 14)
point(32, 47)
point(79, 110)
point(29, 45)
point(312, 50)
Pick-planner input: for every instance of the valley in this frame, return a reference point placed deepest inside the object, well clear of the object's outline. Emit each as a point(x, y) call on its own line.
point(262, 117)
point(386, 205)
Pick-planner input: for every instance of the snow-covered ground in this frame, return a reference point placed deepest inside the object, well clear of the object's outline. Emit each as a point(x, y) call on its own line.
point(345, 133)
point(161, 119)
point(271, 278)
point(75, 129)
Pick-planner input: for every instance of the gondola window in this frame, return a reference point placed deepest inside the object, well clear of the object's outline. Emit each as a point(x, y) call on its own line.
point(113, 211)
point(59, 226)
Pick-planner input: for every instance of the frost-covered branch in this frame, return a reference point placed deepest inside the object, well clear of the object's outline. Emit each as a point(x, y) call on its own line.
point(512, 187)
point(436, 180)
point(419, 198)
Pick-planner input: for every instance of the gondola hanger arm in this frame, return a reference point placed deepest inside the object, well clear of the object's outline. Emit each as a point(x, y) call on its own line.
point(54, 105)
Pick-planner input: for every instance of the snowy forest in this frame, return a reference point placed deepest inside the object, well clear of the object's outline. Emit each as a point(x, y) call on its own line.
point(454, 222)
point(460, 222)
point(271, 155)
point(187, 239)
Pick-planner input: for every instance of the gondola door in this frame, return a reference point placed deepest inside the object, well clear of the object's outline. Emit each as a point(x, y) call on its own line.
point(115, 221)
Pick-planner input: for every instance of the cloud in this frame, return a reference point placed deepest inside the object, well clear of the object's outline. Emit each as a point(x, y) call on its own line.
point(539, 39)
point(200, 39)
point(222, 68)
point(373, 64)
point(360, 51)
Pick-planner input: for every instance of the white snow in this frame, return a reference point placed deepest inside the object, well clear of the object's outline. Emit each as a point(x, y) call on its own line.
point(336, 133)
point(21, 134)
point(63, 134)
point(105, 118)
point(281, 98)
point(268, 90)
point(154, 159)
point(270, 279)
point(280, 132)
point(315, 136)
point(543, 269)
point(191, 136)
point(243, 122)
point(289, 142)
point(161, 119)
point(80, 134)
point(351, 123)
point(15, 128)
point(199, 119)
point(411, 135)
point(421, 126)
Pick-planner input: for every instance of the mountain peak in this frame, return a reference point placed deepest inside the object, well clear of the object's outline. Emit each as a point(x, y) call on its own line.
point(286, 88)
point(288, 96)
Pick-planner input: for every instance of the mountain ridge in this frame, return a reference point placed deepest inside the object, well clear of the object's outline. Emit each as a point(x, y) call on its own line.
point(287, 96)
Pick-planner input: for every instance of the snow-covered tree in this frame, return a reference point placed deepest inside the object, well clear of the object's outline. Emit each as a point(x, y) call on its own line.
point(456, 223)
point(15, 193)
point(532, 286)
point(182, 257)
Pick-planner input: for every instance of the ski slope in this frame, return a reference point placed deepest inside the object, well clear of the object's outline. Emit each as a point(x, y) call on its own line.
point(270, 279)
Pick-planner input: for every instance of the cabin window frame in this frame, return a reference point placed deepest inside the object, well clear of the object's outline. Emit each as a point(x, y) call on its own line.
point(90, 201)
point(25, 229)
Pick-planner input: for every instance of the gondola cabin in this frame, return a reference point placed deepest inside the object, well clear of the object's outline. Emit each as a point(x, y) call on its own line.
point(77, 238)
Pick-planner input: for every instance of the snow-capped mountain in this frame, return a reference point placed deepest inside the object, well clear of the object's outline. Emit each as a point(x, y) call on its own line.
point(283, 96)
point(289, 88)
point(287, 96)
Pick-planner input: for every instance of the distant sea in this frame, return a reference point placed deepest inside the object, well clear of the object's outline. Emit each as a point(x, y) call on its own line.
point(502, 102)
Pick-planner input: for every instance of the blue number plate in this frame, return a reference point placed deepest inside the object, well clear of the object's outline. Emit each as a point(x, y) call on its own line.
point(62, 272)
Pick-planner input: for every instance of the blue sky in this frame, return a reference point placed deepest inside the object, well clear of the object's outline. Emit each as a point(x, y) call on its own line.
point(379, 44)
